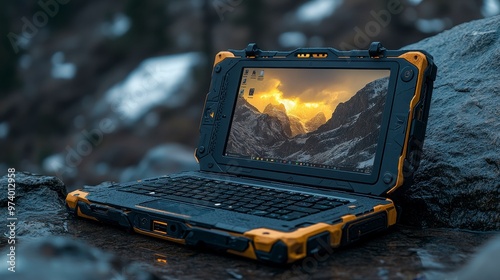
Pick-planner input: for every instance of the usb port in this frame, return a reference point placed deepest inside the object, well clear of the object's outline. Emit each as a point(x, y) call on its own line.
point(160, 227)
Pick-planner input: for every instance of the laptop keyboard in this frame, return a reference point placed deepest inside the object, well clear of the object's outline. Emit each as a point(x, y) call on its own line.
point(253, 200)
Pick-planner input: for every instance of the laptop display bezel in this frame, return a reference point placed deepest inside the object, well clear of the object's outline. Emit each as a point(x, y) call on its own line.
point(235, 165)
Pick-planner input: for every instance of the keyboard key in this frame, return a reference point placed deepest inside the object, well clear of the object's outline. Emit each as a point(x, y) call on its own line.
point(238, 204)
point(279, 200)
point(243, 210)
point(302, 209)
point(296, 197)
point(321, 207)
point(330, 203)
point(272, 209)
point(273, 215)
point(258, 201)
point(212, 194)
point(313, 199)
point(149, 188)
point(258, 213)
point(303, 204)
point(280, 205)
point(292, 216)
point(289, 202)
point(267, 198)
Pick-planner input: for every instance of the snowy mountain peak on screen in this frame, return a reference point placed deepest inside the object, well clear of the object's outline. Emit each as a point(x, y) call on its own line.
point(348, 139)
point(291, 124)
point(316, 121)
point(252, 130)
point(363, 100)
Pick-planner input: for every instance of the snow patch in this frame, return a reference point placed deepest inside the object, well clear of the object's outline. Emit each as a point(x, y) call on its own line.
point(117, 27)
point(155, 82)
point(53, 163)
point(61, 69)
point(25, 61)
point(414, 2)
point(4, 130)
point(292, 39)
point(431, 25)
point(490, 8)
point(316, 10)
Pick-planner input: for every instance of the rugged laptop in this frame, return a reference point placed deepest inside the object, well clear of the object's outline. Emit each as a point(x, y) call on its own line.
point(298, 151)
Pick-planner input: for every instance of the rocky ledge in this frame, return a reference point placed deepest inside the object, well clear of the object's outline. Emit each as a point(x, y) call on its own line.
point(458, 183)
point(38, 205)
point(51, 244)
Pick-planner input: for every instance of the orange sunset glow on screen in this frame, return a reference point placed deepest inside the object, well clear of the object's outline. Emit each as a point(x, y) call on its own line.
point(304, 94)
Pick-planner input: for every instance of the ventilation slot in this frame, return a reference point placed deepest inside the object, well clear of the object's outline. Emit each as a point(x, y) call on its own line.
point(313, 55)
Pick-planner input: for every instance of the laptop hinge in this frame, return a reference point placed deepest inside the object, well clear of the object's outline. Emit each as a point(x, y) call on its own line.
point(376, 50)
point(252, 50)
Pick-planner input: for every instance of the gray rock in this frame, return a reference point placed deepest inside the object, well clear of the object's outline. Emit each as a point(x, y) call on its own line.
point(38, 206)
point(458, 183)
point(63, 258)
point(26, 183)
point(161, 160)
point(484, 265)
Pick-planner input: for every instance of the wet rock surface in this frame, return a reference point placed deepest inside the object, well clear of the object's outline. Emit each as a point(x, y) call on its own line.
point(405, 253)
point(65, 258)
point(52, 244)
point(458, 183)
point(484, 265)
point(39, 206)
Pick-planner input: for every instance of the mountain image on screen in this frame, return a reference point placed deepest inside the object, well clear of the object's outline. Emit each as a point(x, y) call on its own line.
point(348, 139)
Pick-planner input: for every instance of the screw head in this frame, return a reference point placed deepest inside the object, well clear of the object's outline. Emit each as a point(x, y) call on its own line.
point(407, 74)
point(388, 177)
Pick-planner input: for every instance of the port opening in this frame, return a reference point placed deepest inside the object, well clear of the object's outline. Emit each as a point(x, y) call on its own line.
point(173, 228)
point(160, 227)
point(314, 55)
point(320, 55)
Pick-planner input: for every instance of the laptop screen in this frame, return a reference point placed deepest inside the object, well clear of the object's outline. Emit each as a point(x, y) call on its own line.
point(322, 118)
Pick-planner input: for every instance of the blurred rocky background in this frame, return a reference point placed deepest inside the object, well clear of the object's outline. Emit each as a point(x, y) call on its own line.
point(93, 90)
